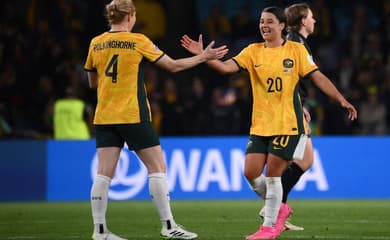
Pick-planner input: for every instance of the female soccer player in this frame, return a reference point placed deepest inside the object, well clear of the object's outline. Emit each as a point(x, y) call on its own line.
point(300, 24)
point(277, 129)
point(115, 66)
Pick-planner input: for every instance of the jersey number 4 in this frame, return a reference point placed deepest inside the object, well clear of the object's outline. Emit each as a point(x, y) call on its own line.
point(112, 68)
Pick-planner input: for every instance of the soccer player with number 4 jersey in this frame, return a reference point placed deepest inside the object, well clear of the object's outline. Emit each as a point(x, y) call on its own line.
point(115, 67)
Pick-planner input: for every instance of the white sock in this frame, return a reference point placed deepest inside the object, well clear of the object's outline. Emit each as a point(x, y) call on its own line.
point(158, 188)
point(259, 186)
point(273, 200)
point(99, 200)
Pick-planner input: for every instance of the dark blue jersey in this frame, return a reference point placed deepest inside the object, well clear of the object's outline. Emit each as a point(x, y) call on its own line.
point(303, 83)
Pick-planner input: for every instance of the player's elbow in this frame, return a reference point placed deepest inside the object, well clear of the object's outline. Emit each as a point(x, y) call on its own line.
point(225, 72)
point(173, 69)
point(170, 65)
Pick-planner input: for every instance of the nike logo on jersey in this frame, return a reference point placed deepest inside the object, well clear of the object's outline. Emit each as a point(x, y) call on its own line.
point(258, 65)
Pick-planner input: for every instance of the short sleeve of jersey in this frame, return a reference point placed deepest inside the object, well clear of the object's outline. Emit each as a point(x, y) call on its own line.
point(148, 49)
point(307, 65)
point(243, 59)
point(88, 66)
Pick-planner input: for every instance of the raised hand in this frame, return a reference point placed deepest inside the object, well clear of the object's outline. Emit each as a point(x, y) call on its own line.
point(211, 53)
point(191, 45)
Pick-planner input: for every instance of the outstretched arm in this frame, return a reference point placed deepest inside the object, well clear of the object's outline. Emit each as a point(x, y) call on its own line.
point(327, 87)
point(196, 47)
point(175, 65)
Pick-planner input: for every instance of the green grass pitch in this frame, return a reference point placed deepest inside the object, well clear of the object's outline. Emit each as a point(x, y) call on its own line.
point(212, 220)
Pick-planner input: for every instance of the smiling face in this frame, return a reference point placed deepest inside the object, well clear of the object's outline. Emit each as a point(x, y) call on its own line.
point(270, 27)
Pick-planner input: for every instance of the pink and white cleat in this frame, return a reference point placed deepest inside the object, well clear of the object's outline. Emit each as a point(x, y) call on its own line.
point(263, 234)
point(284, 213)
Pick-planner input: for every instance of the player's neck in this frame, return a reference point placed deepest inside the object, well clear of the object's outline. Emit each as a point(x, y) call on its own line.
point(304, 33)
point(119, 28)
point(274, 43)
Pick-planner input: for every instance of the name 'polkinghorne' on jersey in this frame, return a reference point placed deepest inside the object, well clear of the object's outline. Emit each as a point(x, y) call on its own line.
point(114, 44)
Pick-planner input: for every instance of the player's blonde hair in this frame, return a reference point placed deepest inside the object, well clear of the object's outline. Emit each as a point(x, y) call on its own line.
point(116, 10)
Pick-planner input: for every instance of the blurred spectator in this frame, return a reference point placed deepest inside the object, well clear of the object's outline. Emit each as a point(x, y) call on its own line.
point(171, 123)
point(346, 70)
point(71, 117)
point(371, 55)
point(335, 120)
point(152, 85)
point(217, 25)
point(151, 21)
point(385, 95)
point(244, 30)
point(5, 128)
point(324, 21)
point(196, 109)
point(157, 115)
point(372, 114)
point(316, 111)
point(241, 84)
point(225, 116)
point(41, 115)
point(42, 47)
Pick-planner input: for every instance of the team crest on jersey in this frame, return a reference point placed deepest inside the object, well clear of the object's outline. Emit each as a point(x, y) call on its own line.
point(288, 63)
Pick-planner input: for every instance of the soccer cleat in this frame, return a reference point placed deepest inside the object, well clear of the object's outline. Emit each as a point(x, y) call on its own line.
point(177, 232)
point(284, 212)
point(264, 233)
point(289, 226)
point(106, 236)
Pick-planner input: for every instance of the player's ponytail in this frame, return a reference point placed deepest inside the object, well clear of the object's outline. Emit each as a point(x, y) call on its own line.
point(116, 10)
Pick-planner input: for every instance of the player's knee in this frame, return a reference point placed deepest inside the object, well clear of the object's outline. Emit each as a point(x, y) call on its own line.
point(305, 163)
point(250, 174)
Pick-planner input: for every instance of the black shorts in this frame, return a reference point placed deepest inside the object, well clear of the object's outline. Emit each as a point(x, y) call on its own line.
point(288, 147)
point(137, 136)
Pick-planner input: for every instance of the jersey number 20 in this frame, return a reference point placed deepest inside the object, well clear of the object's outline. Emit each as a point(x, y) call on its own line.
point(274, 85)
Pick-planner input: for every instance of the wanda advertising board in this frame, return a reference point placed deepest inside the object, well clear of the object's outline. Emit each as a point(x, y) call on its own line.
point(198, 168)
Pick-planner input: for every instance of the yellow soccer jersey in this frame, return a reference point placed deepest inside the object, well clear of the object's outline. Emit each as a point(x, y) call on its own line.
point(274, 75)
point(118, 59)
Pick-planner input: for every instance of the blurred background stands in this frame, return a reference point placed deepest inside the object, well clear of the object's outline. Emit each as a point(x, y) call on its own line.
point(43, 46)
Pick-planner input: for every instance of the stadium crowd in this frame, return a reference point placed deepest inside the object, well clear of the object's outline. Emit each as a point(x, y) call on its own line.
point(43, 46)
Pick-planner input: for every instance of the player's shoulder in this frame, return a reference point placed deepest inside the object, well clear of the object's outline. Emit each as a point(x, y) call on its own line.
point(294, 45)
point(139, 37)
point(254, 47)
point(295, 36)
point(99, 37)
